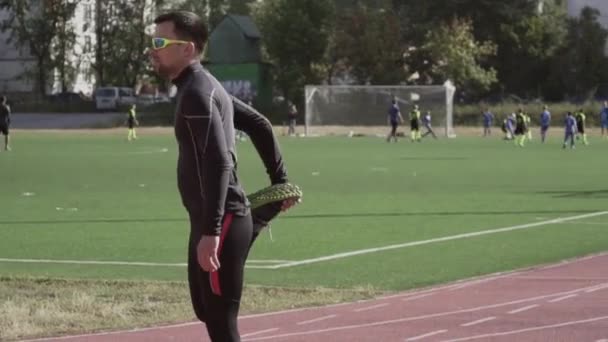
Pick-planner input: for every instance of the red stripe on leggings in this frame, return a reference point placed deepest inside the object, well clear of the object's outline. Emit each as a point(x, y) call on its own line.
point(215, 276)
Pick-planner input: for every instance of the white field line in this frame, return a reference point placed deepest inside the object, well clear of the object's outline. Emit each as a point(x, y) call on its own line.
point(288, 263)
point(124, 263)
point(436, 240)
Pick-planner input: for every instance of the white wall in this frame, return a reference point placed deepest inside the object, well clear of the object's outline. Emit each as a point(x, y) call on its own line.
point(83, 54)
point(12, 64)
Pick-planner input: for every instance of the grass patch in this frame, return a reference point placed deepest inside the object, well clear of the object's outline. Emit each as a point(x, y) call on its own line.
point(39, 307)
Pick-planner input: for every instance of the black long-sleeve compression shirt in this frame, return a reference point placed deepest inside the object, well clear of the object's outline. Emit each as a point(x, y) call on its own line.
point(204, 127)
point(259, 129)
point(206, 167)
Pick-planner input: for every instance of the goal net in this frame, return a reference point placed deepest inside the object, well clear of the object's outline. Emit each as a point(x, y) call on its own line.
point(351, 108)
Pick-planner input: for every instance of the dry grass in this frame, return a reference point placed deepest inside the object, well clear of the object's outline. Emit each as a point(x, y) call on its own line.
point(32, 308)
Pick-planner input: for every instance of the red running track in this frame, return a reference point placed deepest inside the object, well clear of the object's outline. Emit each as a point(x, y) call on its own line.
point(563, 302)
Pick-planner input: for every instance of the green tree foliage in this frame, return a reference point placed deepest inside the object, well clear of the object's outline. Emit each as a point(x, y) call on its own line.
point(580, 65)
point(35, 27)
point(526, 49)
point(241, 7)
point(121, 41)
point(62, 53)
point(366, 43)
point(526, 39)
point(296, 36)
point(211, 10)
point(456, 56)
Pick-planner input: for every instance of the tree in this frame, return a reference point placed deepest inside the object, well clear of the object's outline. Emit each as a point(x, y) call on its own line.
point(212, 11)
point(216, 11)
point(121, 41)
point(367, 43)
point(455, 55)
point(34, 26)
point(419, 17)
point(240, 7)
point(199, 7)
point(523, 35)
point(581, 65)
point(527, 47)
point(296, 35)
point(62, 56)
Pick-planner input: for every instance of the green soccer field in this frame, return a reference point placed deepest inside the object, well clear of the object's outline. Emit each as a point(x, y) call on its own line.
point(389, 216)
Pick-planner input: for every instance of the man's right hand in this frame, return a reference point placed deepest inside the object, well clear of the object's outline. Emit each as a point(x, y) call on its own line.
point(290, 203)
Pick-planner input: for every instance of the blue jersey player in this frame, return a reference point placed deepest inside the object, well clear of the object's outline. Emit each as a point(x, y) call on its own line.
point(545, 121)
point(426, 121)
point(604, 120)
point(394, 118)
point(488, 118)
point(570, 130)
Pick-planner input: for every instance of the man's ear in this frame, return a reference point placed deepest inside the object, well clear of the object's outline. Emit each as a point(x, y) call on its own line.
point(191, 50)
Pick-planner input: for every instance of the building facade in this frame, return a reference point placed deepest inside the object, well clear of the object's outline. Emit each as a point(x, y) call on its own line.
point(16, 63)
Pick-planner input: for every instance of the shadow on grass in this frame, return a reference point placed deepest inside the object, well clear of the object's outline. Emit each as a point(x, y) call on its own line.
point(434, 158)
point(577, 194)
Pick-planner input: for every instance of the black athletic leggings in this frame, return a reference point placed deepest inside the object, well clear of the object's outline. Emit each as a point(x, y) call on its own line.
point(216, 296)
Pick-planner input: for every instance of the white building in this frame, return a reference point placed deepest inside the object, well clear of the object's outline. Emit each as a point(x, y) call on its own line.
point(15, 63)
point(83, 55)
point(12, 64)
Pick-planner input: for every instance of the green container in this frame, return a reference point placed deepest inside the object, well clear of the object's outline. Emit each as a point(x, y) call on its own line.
point(247, 81)
point(234, 57)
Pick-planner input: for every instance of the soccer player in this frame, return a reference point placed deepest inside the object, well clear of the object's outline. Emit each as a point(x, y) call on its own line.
point(415, 124)
point(488, 119)
point(5, 121)
point(504, 129)
point(570, 130)
point(394, 118)
point(221, 224)
point(426, 120)
point(520, 127)
point(604, 120)
point(511, 125)
point(292, 116)
point(580, 125)
point(131, 123)
point(545, 121)
point(528, 124)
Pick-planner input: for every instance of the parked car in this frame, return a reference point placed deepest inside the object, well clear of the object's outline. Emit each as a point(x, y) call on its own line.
point(113, 97)
point(145, 100)
point(149, 99)
point(67, 97)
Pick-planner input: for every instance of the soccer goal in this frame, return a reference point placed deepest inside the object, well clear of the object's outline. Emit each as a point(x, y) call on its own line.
point(351, 108)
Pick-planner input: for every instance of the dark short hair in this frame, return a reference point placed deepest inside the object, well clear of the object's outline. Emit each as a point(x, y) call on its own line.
point(2, 99)
point(188, 26)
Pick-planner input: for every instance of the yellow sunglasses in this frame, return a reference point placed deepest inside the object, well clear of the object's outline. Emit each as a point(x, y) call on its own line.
point(161, 43)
